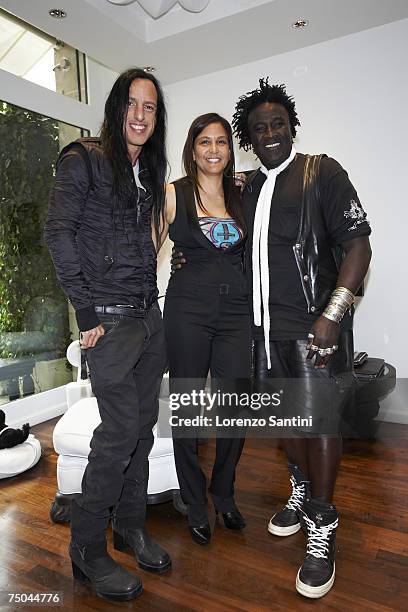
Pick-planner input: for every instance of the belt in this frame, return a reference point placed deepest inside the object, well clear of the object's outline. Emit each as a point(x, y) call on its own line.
point(221, 288)
point(230, 289)
point(126, 311)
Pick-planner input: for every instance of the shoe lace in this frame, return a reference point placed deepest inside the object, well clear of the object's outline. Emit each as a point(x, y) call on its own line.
point(295, 501)
point(318, 537)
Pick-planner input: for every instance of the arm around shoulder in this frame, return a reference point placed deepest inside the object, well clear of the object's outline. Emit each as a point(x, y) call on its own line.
point(170, 203)
point(169, 214)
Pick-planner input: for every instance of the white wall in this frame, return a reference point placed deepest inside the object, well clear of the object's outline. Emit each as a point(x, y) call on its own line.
point(351, 96)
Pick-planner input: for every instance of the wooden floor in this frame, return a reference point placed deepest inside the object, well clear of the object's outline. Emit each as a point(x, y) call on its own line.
point(249, 571)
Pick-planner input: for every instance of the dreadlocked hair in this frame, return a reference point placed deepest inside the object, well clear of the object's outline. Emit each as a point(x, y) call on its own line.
point(252, 99)
point(153, 155)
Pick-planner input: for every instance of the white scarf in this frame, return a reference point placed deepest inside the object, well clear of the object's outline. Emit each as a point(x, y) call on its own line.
point(260, 265)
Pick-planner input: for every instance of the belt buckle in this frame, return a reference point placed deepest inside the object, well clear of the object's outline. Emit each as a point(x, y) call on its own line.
point(224, 289)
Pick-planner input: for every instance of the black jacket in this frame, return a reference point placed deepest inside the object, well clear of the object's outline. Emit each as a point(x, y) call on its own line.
point(103, 254)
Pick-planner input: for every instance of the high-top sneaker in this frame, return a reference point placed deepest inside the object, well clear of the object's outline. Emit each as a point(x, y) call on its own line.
point(316, 576)
point(286, 522)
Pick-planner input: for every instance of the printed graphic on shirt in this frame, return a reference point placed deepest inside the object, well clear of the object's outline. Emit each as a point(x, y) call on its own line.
point(223, 233)
point(356, 212)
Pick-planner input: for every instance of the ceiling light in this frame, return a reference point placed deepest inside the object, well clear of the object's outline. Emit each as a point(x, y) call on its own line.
point(57, 13)
point(194, 6)
point(300, 23)
point(157, 8)
point(149, 68)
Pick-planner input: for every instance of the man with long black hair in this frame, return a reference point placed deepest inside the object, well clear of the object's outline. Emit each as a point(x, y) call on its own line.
point(308, 252)
point(103, 222)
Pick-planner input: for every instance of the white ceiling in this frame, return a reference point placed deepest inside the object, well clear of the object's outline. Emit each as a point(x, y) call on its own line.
point(182, 45)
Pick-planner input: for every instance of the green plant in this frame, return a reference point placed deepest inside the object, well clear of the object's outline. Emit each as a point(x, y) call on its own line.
point(28, 150)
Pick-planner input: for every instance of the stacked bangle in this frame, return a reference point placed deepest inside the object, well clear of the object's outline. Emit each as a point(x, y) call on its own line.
point(340, 301)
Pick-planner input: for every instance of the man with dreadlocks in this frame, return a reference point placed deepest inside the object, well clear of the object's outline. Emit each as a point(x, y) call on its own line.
point(107, 192)
point(300, 209)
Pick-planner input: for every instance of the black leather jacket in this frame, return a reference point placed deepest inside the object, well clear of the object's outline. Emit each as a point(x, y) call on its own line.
point(102, 254)
point(317, 261)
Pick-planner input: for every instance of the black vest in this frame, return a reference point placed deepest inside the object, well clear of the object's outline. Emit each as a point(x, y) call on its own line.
point(208, 266)
point(318, 263)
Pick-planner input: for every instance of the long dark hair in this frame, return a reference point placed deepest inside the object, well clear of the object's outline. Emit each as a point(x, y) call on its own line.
point(231, 192)
point(153, 155)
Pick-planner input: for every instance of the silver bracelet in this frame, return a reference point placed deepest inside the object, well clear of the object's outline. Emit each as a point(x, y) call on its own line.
point(340, 301)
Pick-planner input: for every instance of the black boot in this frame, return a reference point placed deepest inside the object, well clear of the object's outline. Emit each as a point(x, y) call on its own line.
point(149, 555)
point(92, 563)
point(316, 576)
point(286, 522)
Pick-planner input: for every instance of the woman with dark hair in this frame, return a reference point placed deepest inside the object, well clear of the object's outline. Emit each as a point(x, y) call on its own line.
point(206, 311)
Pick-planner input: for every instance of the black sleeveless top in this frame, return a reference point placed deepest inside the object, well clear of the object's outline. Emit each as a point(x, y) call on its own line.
point(207, 266)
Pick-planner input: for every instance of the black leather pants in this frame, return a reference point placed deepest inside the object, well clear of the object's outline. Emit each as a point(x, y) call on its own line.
point(308, 392)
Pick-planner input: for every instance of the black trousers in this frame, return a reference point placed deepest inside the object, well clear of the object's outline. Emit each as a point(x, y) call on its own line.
point(126, 368)
point(207, 332)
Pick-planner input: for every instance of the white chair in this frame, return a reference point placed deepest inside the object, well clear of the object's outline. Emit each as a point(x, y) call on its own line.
point(20, 458)
point(72, 436)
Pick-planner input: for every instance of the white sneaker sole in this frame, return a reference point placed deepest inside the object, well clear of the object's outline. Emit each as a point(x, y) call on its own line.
point(282, 531)
point(315, 592)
